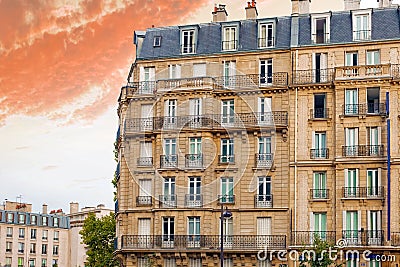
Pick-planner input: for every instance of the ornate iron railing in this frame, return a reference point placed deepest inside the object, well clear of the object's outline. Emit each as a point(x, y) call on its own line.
point(167, 201)
point(363, 238)
point(307, 238)
point(319, 113)
point(313, 76)
point(264, 160)
point(363, 151)
point(144, 200)
point(320, 153)
point(263, 201)
point(364, 192)
point(364, 109)
point(319, 193)
point(145, 161)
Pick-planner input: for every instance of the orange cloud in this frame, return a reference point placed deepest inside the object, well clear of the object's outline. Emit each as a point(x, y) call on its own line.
point(69, 60)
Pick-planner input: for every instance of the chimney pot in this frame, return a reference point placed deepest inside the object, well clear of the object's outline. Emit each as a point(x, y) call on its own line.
point(44, 209)
point(351, 4)
point(251, 10)
point(73, 207)
point(300, 6)
point(219, 13)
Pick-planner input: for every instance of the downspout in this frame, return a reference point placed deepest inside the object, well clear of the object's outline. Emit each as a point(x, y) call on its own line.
point(388, 166)
point(295, 150)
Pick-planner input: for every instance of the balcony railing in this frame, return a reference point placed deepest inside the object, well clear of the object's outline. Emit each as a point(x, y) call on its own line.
point(194, 200)
point(320, 153)
point(319, 193)
point(169, 161)
point(184, 83)
point(167, 201)
point(363, 192)
point(194, 161)
point(361, 35)
point(229, 45)
point(307, 238)
point(252, 80)
point(313, 76)
point(266, 42)
point(226, 199)
point(395, 239)
point(363, 238)
point(225, 159)
point(363, 72)
point(319, 113)
point(396, 71)
point(207, 242)
point(364, 109)
point(263, 201)
point(362, 151)
point(264, 160)
point(144, 201)
point(320, 38)
point(141, 88)
point(188, 48)
point(145, 161)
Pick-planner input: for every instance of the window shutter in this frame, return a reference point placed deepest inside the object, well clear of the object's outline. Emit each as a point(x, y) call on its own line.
point(141, 74)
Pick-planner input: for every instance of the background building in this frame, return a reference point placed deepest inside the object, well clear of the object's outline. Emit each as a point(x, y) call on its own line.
point(283, 120)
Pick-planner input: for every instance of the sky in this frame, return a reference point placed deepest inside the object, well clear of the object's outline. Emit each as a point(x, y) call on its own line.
point(62, 64)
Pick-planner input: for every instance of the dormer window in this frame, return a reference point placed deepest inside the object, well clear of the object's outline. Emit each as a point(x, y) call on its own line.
point(188, 43)
point(157, 41)
point(320, 29)
point(266, 34)
point(361, 26)
point(229, 38)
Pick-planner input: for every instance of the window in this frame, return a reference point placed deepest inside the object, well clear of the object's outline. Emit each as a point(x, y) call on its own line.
point(188, 41)
point(351, 106)
point(351, 183)
point(10, 217)
point(31, 262)
point(228, 262)
point(44, 263)
point(169, 197)
point(56, 222)
point(171, 262)
point(194, 232)
point(319, 186)
point(229, 73)
point(264, 115)
point(147, 80)
point(143, 262)
point(352, 226)
point(194, 197)
point(373, 57)
point(227, 152)
point(55, 250)
point(8, 246)
point(264, 190)
point(321, 72)
point(227, 190)
point(266, 75)
point(318, 224)
point(45, 234)
point(195, 158)
point(32, 248)
point(373, 105)
point(264, 157)
point(319, 150)
point(351, 138)
point(21, 218)
point(44, 221)
point(320, 111)
point(229, 38)
point(351, 61)
point(170, 108)
point(266, 35)
point(168, 231)
point(21, 232)
point(374, 223)
point(228, 231)
point(193, 262)
point(374, 147)
point(145, 189)
point(265, 263)
point(157, 41)
point(8, 262)
point(9, 231)
point(20, 262)
point(21, 247)
point(174, 72)
point(373, 183)
point(228, 111)
point(33, 219)
point(56, 235)
point(144, 232)
point(361, 27)
point(374, 263)
point(54, 262)
point(44, 249)
point(320, 29)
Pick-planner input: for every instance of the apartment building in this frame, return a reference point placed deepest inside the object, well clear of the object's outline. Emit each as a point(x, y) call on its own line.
point(290, 123)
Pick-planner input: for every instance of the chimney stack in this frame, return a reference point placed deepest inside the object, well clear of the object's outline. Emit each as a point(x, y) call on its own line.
point(384, 3)
point(219, 13)
point(300, 7)
point(44, 209)
point(351, 4)
point(73, 207)
point(251, 10)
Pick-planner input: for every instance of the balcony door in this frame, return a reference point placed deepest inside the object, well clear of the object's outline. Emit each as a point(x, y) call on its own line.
point(170, 159)
point(146, 154)
point(147, 80)
point(351, 61)
point(194, 192)
point(264, 197)
point(318, 226)
point(226, 190)
point(351, 102)
point(374, 141)
point(195, 112)
point(168, 232)
point(320, 67)
point(374, 234)
point(264, 115)
point(194, 159)
point(264, 230)
point(170, 113)
point(144, 239)
point(351, 183)
point(319, 145)
point(169, 197)
point(228, 112)
point(319, 185)
point(229, 73)
point(227, 151)
point(145, 192)
point(146, 123)
point(352, 226)
point(193, 232)
point(373, 106)
point(319, 111)
point(266, 76)
point(351, 136)
point(373, 183)
point(228, 232)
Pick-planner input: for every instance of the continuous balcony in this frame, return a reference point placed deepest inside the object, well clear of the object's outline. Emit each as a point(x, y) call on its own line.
point(319, 153)
point(363, 237)
point(194, 161)
point(264, 160)
point(263, 201)
point(145, 161)
point(319, 113)
point(364, 109)
point(226, 199)
point(194, 200)
point(363, 151)
point(319, 194)
point(313, 76)
point(203, 242)
point(276, 79)
point(168, 201)
point(169, 161)
point(185, 83)
point(307, 238)
point(144, 201)
point(363, 72)
point(375, 192)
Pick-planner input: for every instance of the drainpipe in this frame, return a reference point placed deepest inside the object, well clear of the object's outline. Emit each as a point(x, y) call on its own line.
point(388, 165)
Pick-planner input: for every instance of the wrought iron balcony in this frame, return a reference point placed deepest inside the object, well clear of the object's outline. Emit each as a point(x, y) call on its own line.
point(144, 200)
point(141, 88)
point(194, 200)
point(145, 161)
point(363, 238)
point(364, 192)
point(319, 193)
point(206, 242)
point(307, 238)
point(313, 76)
point(319, 113)
point(169, 161)
point(320, 38)
point(184, 83)
point(188, 48)
point(252, 80)
point(364, 109)
point(194, 161)
point(361, 35)
point(226, 199)
point(225, 159)
point(362, 151)
point(363, 72)
point(167, 201)
point(266, 42)
point(320, 153)
point(229, 45)
point(263, 201)
point(264, 160)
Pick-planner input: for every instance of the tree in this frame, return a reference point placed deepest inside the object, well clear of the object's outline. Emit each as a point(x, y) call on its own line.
point(98, 235)
point(325, 254)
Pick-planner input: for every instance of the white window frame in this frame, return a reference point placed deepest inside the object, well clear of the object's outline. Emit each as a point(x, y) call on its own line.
point(266, 78)
point(191, 48)
point(314, 18)
point(232, 43)
point(157, 41)
point(356, 32)
point(264, 40)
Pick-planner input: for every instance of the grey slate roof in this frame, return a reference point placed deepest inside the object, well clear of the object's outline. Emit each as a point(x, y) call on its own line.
point(385, 25)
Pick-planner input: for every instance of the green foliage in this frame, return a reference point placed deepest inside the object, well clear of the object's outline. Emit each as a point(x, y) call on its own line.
point(323, 257)
point(115, 184)
point(98, 235)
